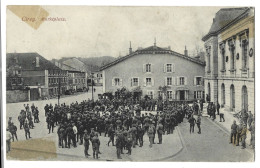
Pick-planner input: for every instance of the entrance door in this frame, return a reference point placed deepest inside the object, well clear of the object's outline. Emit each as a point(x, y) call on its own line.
point(34, 95)
point(182, 95)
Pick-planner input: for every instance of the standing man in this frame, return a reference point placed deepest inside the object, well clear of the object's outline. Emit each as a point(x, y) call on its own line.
point(198, 124)
point(13, 130)
point(118, 147)
point(151, 135)
point(95, 145)
point(27, 130)
point(160, 132)
point(243, 136)
point(192, 122)
point(218, 107)
point(86, 143)
point(233, 132)
point(111, 135)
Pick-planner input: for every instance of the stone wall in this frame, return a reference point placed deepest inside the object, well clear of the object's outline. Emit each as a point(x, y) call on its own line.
point(14, 96)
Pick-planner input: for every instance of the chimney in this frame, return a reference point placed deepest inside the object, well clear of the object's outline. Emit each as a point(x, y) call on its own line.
point(37, 62)
point(185, 52)
point(130, 49)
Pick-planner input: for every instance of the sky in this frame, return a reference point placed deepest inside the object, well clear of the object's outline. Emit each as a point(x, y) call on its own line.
point(106, 31)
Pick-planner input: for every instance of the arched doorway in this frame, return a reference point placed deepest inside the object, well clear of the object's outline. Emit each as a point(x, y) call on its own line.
point(232, 97)
point(244, 98)
point(223, 98)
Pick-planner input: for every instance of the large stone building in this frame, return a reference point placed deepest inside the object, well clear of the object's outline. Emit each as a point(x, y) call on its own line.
point(152, 67)
point(230, 46)
point(31, 71)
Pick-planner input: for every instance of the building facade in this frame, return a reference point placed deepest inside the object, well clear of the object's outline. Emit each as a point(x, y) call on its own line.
point(230, 71)
point(154, 67)
point(31, 71)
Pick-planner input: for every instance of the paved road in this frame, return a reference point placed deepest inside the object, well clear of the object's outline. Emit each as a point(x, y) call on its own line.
point(210, 146)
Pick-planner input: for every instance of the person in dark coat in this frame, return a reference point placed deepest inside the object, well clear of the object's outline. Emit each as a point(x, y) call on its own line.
point(95, 145)
point(86, 138)
point(13, 130)
point(160, 132)
point(198, 124)
point(118, 147)
point(233, 132)
point(192, 122)
point(27, 130)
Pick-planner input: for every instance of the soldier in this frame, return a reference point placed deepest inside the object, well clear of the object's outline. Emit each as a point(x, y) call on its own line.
point(218, 107)
point(140, 135)
point(80, 133)
point(245, 117)
point(239, 131)
point(62, 136)
point(151, 135)
point(70, 134)
point(46, 109)
point(27, 130)
point(50, 121)
point(95, 146)
point(118, 147)
point(252, 131)
point(243, 136)
point(129, 144)
point(13, 130)
point(233, 132)
point(192, 122)
point(134, 134)
point(160, 132)
point(198, 124)
point(36, 115)
point(86, 143)
point(75, 132)
point(111, 135)
point(21, 119)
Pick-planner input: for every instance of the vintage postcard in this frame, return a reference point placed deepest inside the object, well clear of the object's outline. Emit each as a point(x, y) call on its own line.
point(130, 83)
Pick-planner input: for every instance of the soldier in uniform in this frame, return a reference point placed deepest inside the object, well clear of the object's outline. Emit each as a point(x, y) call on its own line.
point(243, 136)
point(151, 135)
point(198, 124)
point(111, 134)
point(27, 130)
point(233, 132)
point(21, 119)
point(118, 147)
point(192, 122)
point(140, 135)
point(239, 131)
point(134, 134)
point(86, 143)
point(160, 132)
point(95, 146)
point(129, 144)
point(13, 130)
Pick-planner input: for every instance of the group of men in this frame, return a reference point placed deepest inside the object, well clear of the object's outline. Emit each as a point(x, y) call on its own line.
point(124, 124)
point(239, 131)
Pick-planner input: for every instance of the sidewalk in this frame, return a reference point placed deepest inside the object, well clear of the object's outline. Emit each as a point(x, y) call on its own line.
point(229, 118)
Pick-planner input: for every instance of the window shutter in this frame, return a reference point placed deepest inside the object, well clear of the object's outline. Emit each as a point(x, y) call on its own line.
point(164, 67)
point(173, 67)
point(178, 81)
point(138, 82)
point(144, 82)
point(113, 82)
point(195, 81)
point(152, 81)
point(131, 82)
point(173, 80)
point(143, 67)
point(185, 80)
point(121, 82)
point(165, 81)
point(194, 94)
point(173, 95)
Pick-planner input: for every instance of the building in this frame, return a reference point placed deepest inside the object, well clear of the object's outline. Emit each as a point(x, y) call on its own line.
point(230, 46)
point(152, 67)
point(33, 72)
point(98, 78)
point(77, 80)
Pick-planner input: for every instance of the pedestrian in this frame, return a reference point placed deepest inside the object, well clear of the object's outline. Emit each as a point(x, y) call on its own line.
point(8, 141)
point(27, 130)
point(233, 132)
point(221, 117)
point(13, 130)
point(95, 145)
point(192, 122)
point(243, 136)
point(151, 135)
point(198, 124)
point(218, 107)
point(86, 143)
point(160, 132)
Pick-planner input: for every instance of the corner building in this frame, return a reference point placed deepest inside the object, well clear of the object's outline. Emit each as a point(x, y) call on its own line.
point(230, 71)
point(152, 67)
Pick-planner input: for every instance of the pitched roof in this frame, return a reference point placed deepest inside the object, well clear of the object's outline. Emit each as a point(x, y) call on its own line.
point(152, 50)
point(225, 17)
point(27, 61)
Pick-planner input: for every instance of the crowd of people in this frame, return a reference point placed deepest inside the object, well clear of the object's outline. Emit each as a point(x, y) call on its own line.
point(82, 123)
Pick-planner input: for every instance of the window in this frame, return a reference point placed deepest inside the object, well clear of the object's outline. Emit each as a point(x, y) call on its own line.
point(168, 67)
point(117, 81)
point(148, 68)
point(244, 54)
point(232, 59)
point(148, 81)
point(76, 80)
point(182, 80)
point(198, 81)
point(150, 94)
point(198, 94)
point(135, 82)
point(169, 81)
point(169, 95)
point(100, 75)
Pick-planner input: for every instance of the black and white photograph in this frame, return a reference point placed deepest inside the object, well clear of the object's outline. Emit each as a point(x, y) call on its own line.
point(129, 83)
